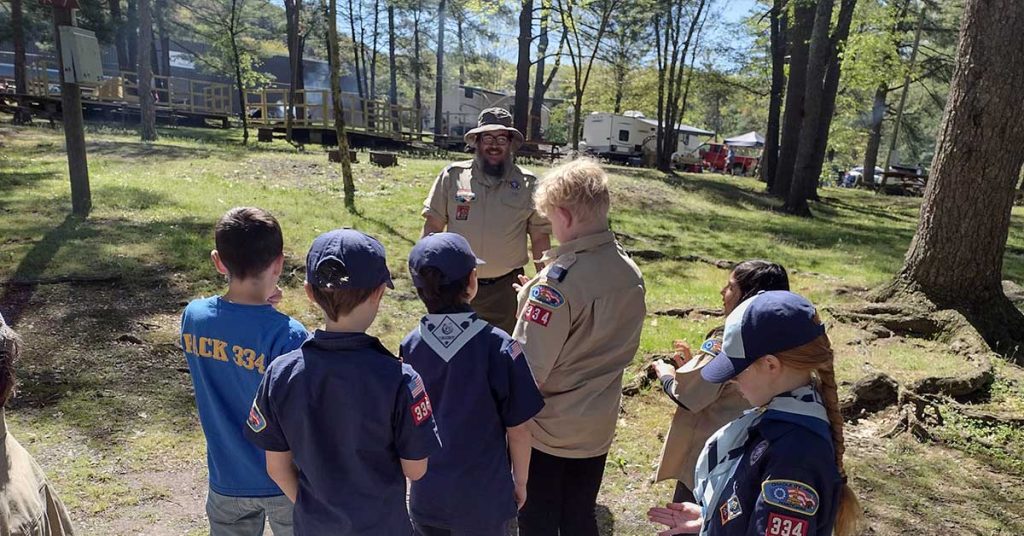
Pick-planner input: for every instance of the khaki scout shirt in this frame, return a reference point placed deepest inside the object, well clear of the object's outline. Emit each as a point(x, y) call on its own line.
point(28, 505)
point(494, 215)
point(579, 323)
point(709, 407)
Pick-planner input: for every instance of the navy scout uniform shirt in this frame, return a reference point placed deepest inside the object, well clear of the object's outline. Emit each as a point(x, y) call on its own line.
point(347, 409)
point(786, 483)
point(579, 323)
point(493, 214)
point(479, 384)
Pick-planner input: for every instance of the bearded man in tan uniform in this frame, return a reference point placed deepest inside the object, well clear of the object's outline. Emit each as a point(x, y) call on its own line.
point(579, 324)
point(489, 201)
point(28, 505)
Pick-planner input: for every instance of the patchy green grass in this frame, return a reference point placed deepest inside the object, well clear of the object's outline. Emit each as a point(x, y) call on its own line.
point(112, 419)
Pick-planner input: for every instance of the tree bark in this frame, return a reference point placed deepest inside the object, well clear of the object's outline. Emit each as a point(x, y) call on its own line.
point(442, 10)
point(293, 18)
point(392, 69)
point(339, 107)
point(20, 66)
point(537, 104)
point(236, 56)
point(977, 164)
point(417, 68)
point(132, 34)
point(373, 51)
point(770, 153)
point(147, 108)
point(875, 134)
point(120, 39)
point(461, 38)
point(792, 117)
point(355, 50)
point(521, 104)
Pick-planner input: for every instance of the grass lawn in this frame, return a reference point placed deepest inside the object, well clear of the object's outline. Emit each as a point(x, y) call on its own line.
point(106, 405)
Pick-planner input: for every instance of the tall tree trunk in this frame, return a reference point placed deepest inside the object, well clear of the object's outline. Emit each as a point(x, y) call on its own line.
point(236, 57)
point(393, 69)
point(969, 196)
point(792, 116)
point(537, 104)
point(677, 70)
point(442, 7)
point(338, 104)
point(373, 52)
point(459, 23)
point(20, 67)
point(355, 50)
point(147, 109)
point(417, 70)
point(165, 42)
point(770, 153)
point(132, 34)
point(619, 72)
point(120, 39)
point(521, 104)
point(875, 134)
point(296, 74)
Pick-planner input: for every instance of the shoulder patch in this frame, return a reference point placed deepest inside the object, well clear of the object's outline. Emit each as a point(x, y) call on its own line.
point(780, 525)
point(547, 295)
point(791, 495)
point(758, 451)
point(515, 350)
point(257, 423)
point(414, 382)
point(537, 314)
point(711, 347)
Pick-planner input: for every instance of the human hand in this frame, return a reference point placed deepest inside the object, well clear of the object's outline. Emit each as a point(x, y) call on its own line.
point(520, 495)
point(682, 353)
point(663, 369)
point(275, 298)
point(680, 518)
point(523, 280)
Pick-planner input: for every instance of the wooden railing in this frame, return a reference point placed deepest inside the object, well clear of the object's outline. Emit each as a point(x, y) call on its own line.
point(313, 109)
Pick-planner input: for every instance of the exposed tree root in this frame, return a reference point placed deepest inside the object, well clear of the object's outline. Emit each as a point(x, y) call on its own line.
point(686, 312)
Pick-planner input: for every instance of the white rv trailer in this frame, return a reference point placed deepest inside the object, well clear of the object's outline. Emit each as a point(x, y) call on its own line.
point(461, 106)
point(620, 137)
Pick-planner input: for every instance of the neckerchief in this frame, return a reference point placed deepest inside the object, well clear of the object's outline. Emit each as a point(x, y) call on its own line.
point(447, 333)
point(723, 451)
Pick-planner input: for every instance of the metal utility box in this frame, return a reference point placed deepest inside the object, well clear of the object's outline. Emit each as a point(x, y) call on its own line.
point(81, 55)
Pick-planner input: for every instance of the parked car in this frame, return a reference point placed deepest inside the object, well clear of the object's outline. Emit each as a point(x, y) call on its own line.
point(851, 177)
point(714, 156)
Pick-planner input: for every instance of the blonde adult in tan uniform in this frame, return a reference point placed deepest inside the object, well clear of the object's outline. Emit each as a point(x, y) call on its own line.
point(489, 201)
point(28, 505)
point(579, 322)
point(704, 407)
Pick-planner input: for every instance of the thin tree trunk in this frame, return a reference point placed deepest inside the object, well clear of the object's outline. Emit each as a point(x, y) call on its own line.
point(392, 69)
point(459, 22)
point(20, 67)
point(237, 58)
point(132, 34)
point(977, 164)
point(373, 53)
point(770, 153)
point(875, 134)
point(537, 104)
point(147, 110)
point(355, 50)
point(442, 6)
point(792, 117)
point(293, 16)
point(339, 107)
point(521, 104)
point(164, 58)
point(120, 39)
point(417, 69)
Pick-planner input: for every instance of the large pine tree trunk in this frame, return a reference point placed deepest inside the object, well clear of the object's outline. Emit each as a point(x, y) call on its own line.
point(875, 134)
point(537, 104)
point(373, 51)
point(131, 34)
point(442, 10)
point(293, 31)
point(793, 115)
point(146, 105)
point(521, 104)
point(392, 69)
point(120, 40)
point(770, 154)
point(956, 256)
point(20, 67)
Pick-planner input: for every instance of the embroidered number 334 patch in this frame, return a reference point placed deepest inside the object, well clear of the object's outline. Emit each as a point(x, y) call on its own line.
point(780, 525)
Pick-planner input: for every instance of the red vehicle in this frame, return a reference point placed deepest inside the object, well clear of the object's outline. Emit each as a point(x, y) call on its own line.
point(715, 156)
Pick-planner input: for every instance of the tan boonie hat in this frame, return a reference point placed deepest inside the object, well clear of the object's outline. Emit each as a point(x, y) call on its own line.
point(494, 119)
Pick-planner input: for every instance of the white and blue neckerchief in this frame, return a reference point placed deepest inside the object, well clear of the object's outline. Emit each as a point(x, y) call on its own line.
point(722, 452)
point(447, 333)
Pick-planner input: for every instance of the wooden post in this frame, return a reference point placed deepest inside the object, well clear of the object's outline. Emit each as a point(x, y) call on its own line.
point(74, 130)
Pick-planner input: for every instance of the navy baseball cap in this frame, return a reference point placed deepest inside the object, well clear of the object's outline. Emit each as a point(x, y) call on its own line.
point(767, 323)
point(345, 258)
point(448, 252)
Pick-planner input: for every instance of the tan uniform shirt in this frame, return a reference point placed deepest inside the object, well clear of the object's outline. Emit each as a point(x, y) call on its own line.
point(28, 505)
point(709, 407)
point(579, 322)
point(494, 215)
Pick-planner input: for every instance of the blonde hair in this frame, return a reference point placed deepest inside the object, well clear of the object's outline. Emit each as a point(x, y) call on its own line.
point(817, 357)
point(580, 186)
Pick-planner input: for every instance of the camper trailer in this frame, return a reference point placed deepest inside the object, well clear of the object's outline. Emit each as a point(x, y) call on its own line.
point(461, 106)
point(626, 136)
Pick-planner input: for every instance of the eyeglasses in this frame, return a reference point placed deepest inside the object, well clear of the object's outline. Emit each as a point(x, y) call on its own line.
point(487, 139)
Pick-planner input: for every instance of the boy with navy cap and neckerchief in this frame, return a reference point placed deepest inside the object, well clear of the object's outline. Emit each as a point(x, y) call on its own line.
point(482, 391)
point(343, 421)
point(777, 470)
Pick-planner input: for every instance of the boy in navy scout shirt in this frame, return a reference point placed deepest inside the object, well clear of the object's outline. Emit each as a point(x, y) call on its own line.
point(229, 341)
point(482, 392)
point(579, 323)
point(344, 422)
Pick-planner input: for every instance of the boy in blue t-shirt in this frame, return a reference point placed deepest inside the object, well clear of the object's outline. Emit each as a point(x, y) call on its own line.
point(483, 394)
point(229, 341)
point(344, 422)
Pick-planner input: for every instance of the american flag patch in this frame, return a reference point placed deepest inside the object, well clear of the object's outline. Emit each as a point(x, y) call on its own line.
point(416, 386)
point(515, 350)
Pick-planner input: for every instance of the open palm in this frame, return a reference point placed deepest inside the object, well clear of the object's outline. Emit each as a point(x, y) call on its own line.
point(680, 518)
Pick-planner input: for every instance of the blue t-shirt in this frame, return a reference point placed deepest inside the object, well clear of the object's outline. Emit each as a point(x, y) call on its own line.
point(228, 346)
point(348, 410)
point(480, 384)
point(786, 483)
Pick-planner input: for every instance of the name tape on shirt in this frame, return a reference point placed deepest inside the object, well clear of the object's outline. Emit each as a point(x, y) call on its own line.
point(780, 525)
point(536, 314)
point(256, 421)
point(791, 495)
point(548, 296)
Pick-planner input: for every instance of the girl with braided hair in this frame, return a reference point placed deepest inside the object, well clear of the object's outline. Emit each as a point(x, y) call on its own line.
point(777, 470)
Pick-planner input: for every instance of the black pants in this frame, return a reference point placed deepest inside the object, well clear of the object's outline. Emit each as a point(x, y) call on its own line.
point(427, 530)
point(561, 495)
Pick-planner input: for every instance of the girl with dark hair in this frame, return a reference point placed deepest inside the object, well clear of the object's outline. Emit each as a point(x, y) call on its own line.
point(704, 407)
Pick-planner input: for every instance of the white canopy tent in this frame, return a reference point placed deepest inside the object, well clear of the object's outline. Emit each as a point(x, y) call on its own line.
point(750, 139)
